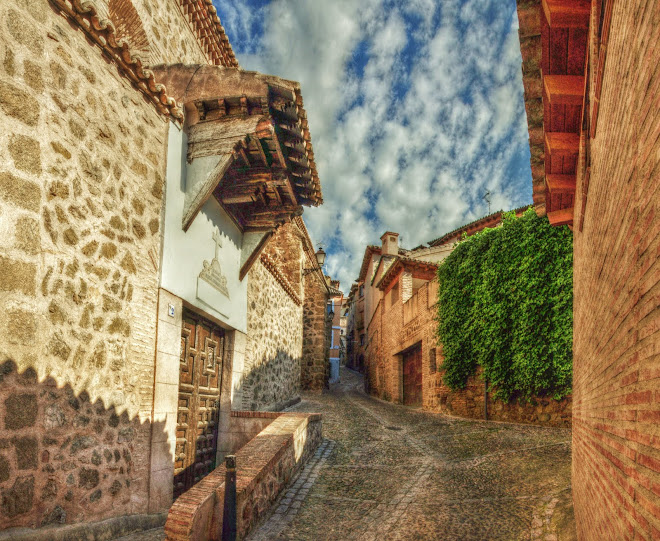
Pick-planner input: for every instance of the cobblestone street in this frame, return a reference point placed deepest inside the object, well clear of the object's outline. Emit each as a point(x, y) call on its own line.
point(388, 472)
point(392, 472)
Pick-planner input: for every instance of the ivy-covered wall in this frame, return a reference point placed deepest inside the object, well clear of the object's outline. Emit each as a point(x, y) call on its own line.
point(506, 304)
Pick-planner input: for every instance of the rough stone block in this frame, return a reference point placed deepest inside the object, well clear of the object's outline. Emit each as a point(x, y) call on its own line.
point(19, 192)
point(26, 153)
point(18, 499)
point(21, 411)
point(88, 478)
point(27, 450)
point(19, 104)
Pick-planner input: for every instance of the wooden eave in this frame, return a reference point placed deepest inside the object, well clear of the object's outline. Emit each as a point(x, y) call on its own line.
point(269, 171)
point(553, 42)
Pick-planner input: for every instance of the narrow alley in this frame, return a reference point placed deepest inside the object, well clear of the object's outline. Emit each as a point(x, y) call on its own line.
point(390, 472)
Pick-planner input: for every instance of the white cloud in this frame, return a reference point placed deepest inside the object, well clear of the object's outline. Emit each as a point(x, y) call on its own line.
point(412, 140)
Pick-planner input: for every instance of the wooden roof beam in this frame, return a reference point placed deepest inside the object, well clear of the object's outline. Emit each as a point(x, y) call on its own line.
point(567, 13)
point(564, 89)
point(561, 217)
point(562, 143)
point(238, 199)
point(560, 184)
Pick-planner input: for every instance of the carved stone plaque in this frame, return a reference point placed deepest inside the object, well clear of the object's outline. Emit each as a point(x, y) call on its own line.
point(212, 272)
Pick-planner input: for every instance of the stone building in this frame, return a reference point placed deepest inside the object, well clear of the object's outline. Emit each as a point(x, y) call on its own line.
point(137, 208)
point(591, 77)
point(402, 356)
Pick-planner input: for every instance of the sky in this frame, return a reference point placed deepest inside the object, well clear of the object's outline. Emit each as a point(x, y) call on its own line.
point(415, 109)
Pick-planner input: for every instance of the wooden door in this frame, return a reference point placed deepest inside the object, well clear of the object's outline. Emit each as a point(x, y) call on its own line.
point(412, 377)
point(200, 381)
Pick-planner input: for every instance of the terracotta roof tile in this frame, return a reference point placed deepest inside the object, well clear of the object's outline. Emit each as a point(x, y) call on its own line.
point(404, 263)
point(204, 20)
point(371, 249)
point(481, 222)
point(102, 32)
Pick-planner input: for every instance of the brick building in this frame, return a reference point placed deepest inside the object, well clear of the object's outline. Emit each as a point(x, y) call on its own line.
point(402, 356)
point(335, 309)
point(591, 77)
point(146, 217)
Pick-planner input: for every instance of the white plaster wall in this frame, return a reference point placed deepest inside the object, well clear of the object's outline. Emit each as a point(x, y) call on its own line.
point(184, 252)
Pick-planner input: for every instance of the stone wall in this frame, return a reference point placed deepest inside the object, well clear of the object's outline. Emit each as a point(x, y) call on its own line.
point(616, 341)
point(315, 338)
point(65, 458)
point(469, 402)
point(81, 174)
point(271, 374)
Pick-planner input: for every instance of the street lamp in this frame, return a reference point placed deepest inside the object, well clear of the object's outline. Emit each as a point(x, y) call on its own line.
point(320, 259)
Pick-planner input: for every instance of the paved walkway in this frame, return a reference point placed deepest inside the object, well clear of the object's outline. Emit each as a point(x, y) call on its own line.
point(387, 472)
point(390, 472)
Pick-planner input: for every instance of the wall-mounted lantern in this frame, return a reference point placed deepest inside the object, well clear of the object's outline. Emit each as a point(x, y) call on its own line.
point(320, 259)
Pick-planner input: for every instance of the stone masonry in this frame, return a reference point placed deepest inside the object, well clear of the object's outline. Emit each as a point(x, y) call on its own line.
point(64, 457)
point(315, 360)
point(275, 324)
point(82, 167)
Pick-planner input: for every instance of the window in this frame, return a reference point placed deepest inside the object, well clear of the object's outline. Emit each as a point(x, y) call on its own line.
point(432, 362)
point(362, 290)
point(362, 339)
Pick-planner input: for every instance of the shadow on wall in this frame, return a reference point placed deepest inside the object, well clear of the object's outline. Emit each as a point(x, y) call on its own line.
point(65, 459)
point(272, 384)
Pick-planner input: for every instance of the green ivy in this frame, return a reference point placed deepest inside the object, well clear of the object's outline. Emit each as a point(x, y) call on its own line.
point(506, 304)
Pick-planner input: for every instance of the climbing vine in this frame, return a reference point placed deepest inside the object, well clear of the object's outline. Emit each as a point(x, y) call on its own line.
point(506, 304)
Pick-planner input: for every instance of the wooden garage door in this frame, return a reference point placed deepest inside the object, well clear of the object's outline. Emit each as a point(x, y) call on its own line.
point(200, 375)
point(412, 377)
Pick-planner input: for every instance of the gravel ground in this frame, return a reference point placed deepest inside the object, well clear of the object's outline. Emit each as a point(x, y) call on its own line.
point(389, 472)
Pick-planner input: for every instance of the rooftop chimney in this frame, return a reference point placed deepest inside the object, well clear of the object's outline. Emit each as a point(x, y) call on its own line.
point(390, 243)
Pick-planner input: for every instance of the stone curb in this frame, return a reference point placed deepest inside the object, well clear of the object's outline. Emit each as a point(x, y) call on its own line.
point(95, 531)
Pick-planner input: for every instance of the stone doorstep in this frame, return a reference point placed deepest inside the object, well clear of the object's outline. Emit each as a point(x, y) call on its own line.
point(188, 517)
point(88, 531)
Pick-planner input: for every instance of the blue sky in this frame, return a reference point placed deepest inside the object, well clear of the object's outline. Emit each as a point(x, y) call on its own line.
point(415, 109)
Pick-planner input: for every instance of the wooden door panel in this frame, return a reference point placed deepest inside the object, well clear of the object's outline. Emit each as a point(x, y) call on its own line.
point(412, 377)
point(200, 378)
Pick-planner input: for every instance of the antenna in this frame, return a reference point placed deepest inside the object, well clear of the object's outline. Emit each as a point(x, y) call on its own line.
point(486, 197)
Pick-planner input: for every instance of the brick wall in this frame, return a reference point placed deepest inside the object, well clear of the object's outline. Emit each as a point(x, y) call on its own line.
point(412, 324)
point(616, 445)
point(263, 467)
